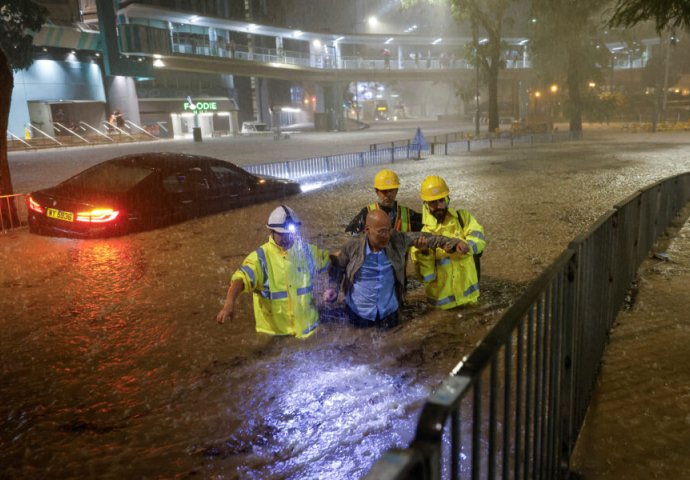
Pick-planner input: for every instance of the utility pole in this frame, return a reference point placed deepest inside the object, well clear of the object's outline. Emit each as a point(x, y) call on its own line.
point(667, 61)
point(475, 35)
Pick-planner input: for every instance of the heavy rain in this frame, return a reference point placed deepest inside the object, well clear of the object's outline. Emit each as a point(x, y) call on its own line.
point(113, 365)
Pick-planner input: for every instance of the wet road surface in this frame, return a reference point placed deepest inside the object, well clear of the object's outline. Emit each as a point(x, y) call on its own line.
point(112, 365)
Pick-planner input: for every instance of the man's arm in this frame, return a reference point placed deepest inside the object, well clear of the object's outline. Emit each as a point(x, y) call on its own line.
point(474, 235)
point(356, 226)
point(339, 261)
point(226, 313)
point(425, 241)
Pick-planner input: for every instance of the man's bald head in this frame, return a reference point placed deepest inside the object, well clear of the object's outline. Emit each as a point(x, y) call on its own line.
point(378, 229)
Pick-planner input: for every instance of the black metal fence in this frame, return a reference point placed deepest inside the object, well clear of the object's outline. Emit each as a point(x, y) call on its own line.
point(390, 152)
point(12, 212)
point(513, 408)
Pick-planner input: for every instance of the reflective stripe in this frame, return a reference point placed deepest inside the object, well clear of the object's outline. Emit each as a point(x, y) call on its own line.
point(250, 274)
point(264, 269)
point(305, 290)
point(443, 301)
point(310, 328)
point(310, 260)
point(473, 288)
point(429, 277)
point(473, 245)
point(443, 261)
point(266, 291)
point(477, 234)
point(403, 221)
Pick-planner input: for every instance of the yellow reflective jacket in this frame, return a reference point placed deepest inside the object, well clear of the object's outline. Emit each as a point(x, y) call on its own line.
point(402, 217)
point(450, 280)
point(282, 283)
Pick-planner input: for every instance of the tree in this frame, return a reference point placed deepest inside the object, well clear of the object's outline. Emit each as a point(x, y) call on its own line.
point(565, 46)
point(19, 19)
point(667, 14)
point(487, 18)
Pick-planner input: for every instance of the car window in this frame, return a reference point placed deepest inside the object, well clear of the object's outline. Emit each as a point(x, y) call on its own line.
point(109, 177)
point(228, 177)
point(185, 181)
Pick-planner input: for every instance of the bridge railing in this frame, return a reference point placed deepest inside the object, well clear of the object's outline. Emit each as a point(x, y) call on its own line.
point(515, 405)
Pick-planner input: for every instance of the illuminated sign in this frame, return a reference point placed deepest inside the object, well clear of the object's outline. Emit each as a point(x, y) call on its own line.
point(199, 107)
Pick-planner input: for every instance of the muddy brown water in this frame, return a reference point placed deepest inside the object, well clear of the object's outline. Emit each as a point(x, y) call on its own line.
point(112, 365)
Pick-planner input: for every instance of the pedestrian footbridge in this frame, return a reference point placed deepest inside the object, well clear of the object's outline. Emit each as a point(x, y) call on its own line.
point(221, 46)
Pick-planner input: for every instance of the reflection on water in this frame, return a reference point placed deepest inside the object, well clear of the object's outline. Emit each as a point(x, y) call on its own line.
point(112, 366)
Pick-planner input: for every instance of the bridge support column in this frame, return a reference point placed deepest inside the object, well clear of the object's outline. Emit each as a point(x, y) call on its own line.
point(333, 102)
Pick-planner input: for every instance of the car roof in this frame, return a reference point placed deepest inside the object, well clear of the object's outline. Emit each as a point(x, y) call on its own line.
point(165, 160)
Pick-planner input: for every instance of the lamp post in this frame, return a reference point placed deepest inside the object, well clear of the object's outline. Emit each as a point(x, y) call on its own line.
point(554, 91)
point(475, 38)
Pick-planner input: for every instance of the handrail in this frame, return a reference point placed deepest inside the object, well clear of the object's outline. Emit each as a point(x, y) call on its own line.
point(109, 125)
point(95, 130)
point(34, 127)
point(64, 128)
point(18, 138)
point(516, 403)
point(132, 124)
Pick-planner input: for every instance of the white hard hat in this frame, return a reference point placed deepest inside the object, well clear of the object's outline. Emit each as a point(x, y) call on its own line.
point(283, 219)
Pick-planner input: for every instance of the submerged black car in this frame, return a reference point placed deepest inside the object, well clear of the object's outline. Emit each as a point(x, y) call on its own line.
point(145, 191)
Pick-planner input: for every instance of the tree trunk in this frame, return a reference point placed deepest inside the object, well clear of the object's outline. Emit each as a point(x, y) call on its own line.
point(493, 95)
point(7, 205)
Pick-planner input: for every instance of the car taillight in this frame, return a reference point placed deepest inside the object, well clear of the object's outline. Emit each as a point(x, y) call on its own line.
point(34, 205)
point(98, 215)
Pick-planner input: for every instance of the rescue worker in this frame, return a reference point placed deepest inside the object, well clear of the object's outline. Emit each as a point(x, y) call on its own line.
point(280, 275)
point(403, 219)
point(450, 280)
point(373, 267)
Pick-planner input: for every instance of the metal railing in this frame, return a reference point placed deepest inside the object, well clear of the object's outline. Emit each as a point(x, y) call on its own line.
point(391, 152)
point(12, 212)
point(513, 408)
point(82, 134)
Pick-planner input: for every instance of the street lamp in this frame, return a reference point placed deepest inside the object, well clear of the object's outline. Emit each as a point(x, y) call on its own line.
point(554, 90)
point(475, 38)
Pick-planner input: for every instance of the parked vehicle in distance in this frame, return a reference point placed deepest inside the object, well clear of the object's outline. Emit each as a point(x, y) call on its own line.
point(255, 128)
point(145, 191)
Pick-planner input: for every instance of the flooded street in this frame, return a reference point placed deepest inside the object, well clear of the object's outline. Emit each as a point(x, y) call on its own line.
point(112, 365)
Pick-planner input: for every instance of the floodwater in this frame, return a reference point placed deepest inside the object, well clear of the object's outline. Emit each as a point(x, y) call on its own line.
point(112, 366)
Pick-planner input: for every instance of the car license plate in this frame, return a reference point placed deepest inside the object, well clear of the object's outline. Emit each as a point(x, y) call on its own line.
point(60, 215)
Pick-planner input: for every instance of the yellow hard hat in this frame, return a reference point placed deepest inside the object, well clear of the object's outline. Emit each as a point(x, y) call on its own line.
point(433, 188)
point(386, 180)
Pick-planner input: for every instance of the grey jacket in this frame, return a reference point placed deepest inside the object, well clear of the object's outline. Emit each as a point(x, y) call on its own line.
point(351, 256)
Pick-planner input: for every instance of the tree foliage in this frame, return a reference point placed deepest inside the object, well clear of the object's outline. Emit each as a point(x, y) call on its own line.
point(667, 14)
point(566, 49)
point(487, 19)
point(19, 19)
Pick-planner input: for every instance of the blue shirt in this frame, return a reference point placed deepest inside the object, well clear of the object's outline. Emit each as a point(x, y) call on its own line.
point(373, 291)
